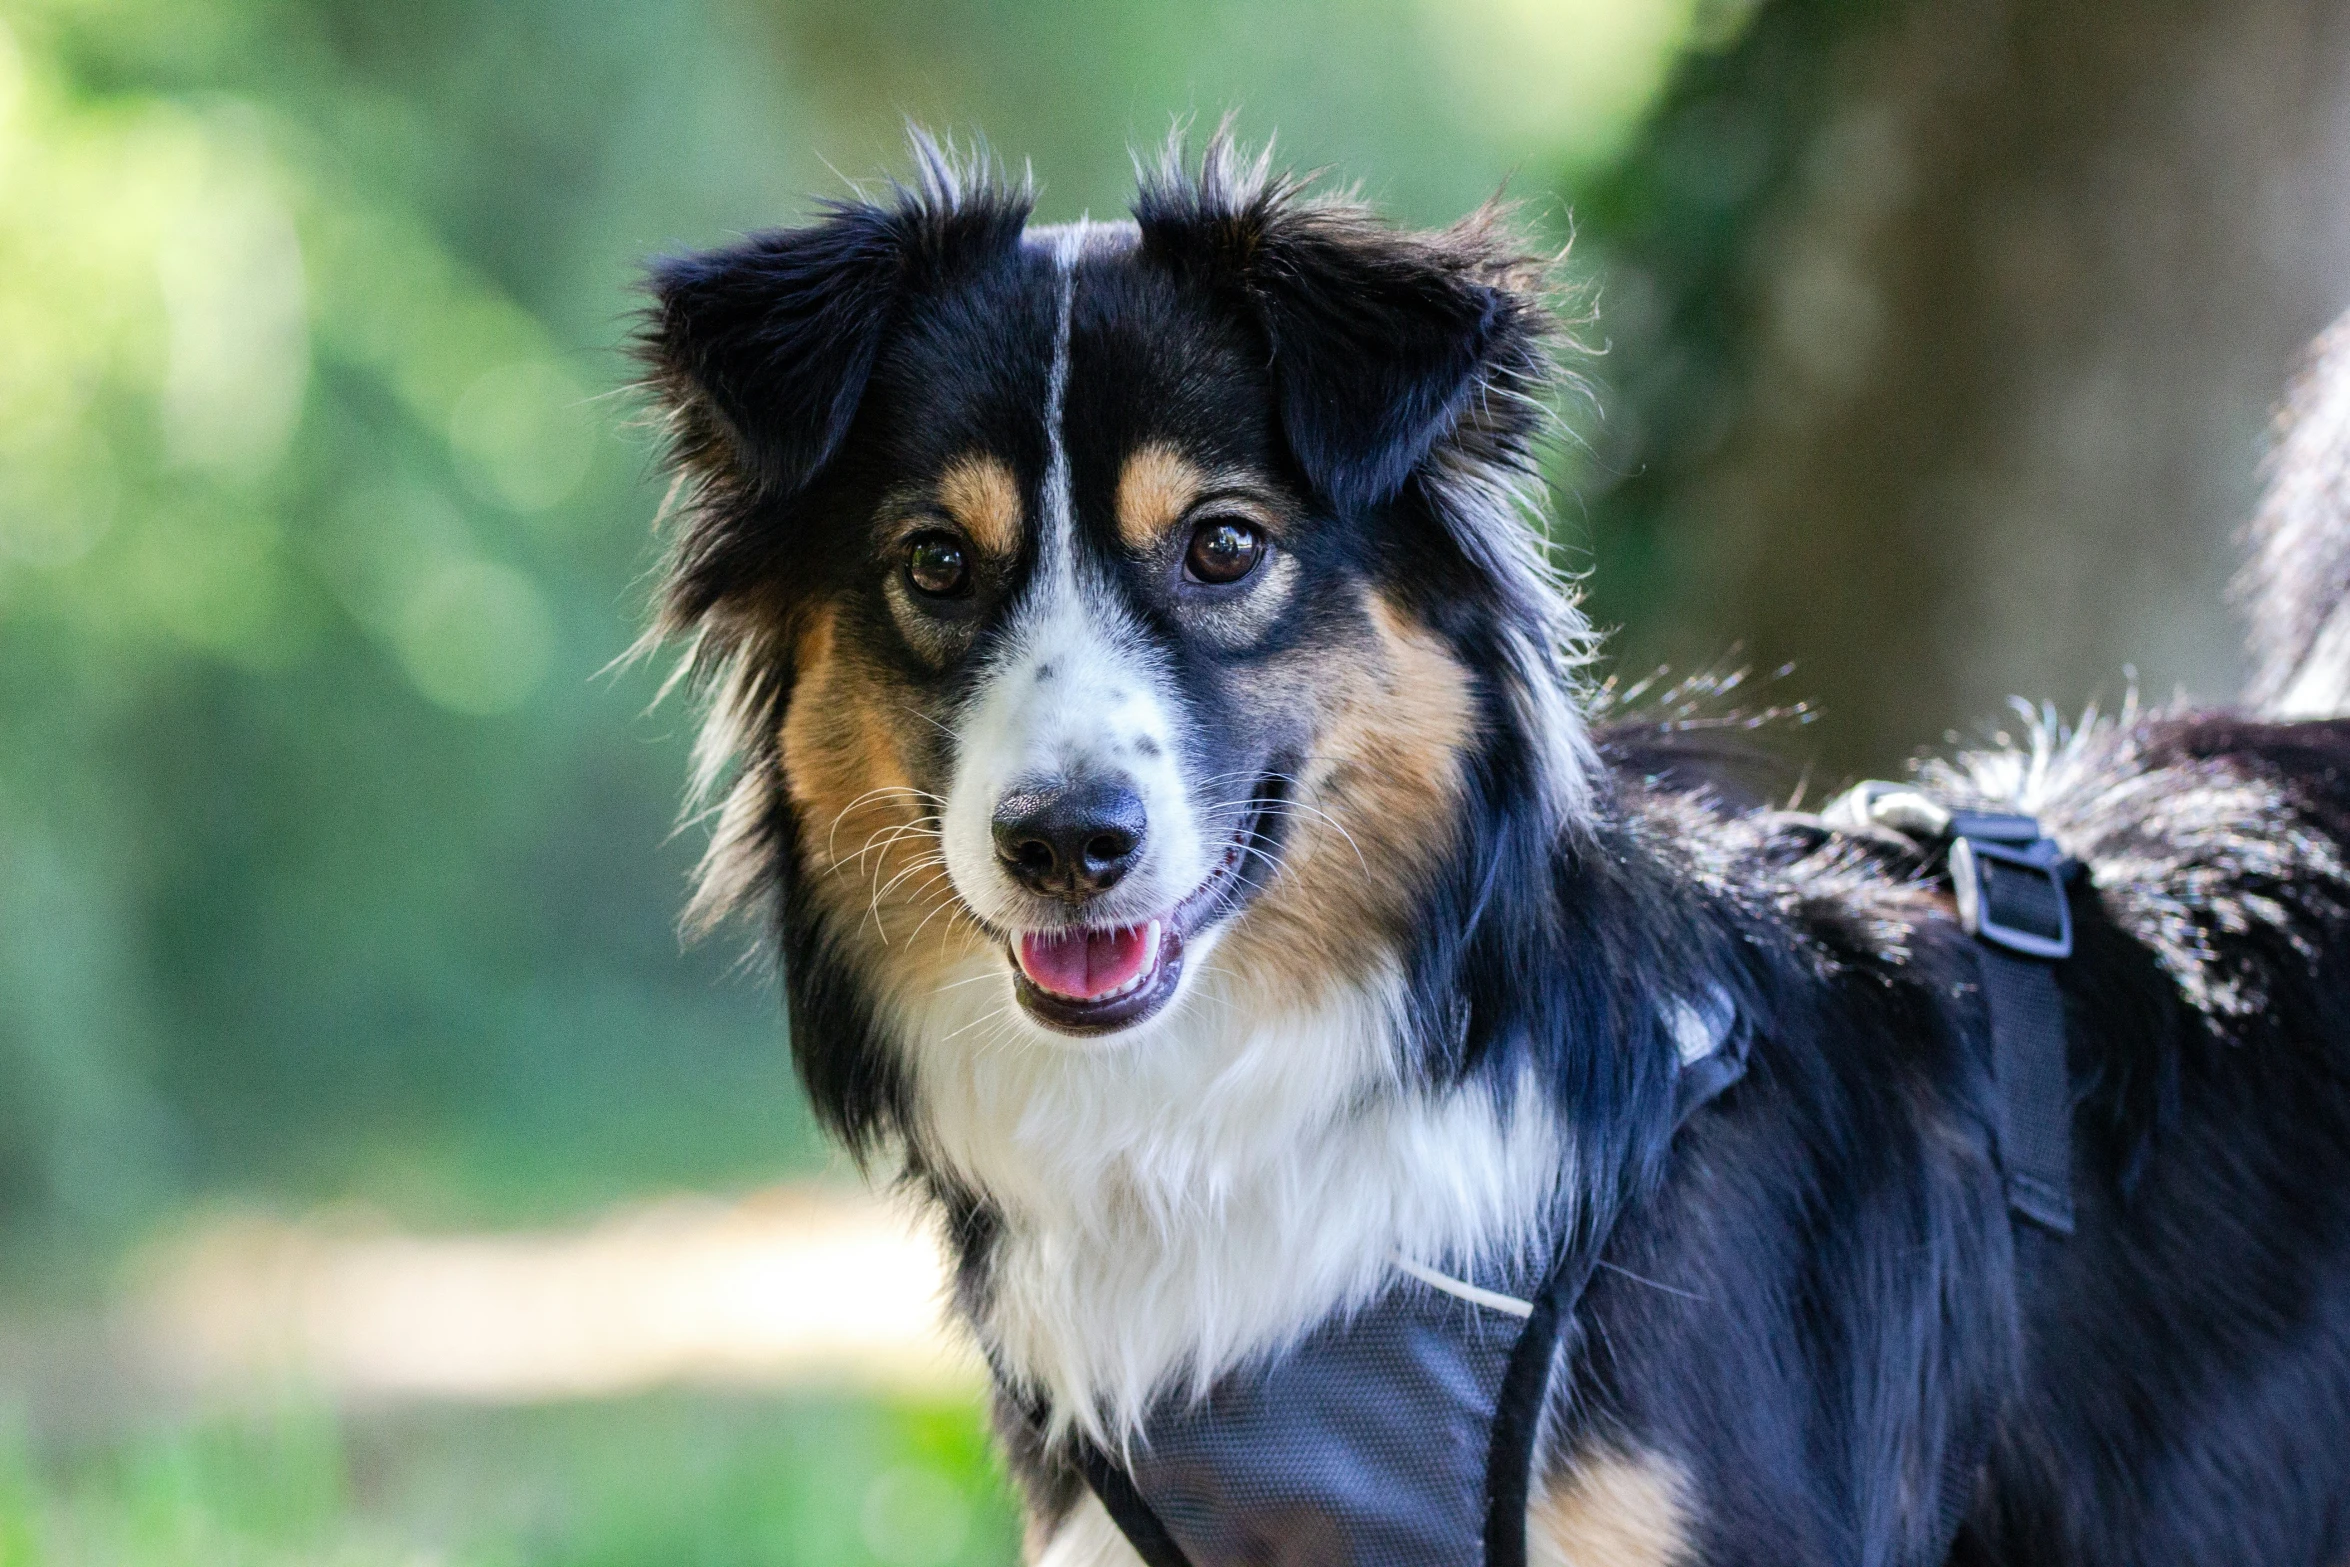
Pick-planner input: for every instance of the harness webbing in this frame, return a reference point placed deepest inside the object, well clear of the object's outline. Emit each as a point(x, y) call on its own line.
point(1128, 1510)
point(2035, 1099)
point(2009, 879)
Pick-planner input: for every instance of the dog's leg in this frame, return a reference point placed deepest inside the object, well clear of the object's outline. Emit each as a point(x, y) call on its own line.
point(1087, 1538)
point(1611, 1510)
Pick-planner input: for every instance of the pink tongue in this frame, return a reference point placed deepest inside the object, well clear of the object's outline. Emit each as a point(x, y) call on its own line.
point(1086, 964)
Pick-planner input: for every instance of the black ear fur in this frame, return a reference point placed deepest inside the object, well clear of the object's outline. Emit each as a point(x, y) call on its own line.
point(1380, 341)
point(760, 352)
point(1375, 352)
point(776, 337)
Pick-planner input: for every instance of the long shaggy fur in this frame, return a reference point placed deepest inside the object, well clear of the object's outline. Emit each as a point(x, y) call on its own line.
point(1808, 1304)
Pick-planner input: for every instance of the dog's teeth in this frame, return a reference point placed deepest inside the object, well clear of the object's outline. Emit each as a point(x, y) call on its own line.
point(1150, 966)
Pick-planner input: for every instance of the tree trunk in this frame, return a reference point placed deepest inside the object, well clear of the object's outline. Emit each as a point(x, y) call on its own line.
point(1944, 340)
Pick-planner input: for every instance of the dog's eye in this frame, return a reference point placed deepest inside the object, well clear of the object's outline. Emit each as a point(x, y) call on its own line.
point(1223, 549)
point(937, 566)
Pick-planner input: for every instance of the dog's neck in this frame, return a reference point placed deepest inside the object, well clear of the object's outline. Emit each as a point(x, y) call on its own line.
point(1167, 1208)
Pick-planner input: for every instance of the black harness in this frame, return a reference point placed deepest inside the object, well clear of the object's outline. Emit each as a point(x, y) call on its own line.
point(1404, 1434)
point(2009, 880)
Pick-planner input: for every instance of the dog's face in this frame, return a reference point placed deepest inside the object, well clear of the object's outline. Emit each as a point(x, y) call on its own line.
point(1080, 586)
point(1083, 582)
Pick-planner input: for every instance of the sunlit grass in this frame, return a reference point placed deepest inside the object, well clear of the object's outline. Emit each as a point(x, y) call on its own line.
point(657, 1482)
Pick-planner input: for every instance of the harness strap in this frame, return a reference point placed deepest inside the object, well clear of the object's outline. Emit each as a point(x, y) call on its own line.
point(2009, 879)
point(2011, 898)
point(1517, 1417)
point(2035, 1100)
point(1128, 1510)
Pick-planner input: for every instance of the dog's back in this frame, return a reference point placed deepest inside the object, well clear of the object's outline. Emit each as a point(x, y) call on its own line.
point(1795, 1340)
point(2186, 1370)
point(2168, 1383)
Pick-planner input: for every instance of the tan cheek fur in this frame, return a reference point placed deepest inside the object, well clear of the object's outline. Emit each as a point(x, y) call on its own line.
point(868, 839)
point(1386, 767)
point(1612, 1510)
point(1155, 488)
point(982, 496)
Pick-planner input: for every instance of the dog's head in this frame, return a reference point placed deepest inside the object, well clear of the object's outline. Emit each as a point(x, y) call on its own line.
point(1089, 599)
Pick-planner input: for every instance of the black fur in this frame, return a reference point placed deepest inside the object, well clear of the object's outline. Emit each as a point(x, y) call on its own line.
point(1811, 1297)
point(1376, 342)
point(762, 353)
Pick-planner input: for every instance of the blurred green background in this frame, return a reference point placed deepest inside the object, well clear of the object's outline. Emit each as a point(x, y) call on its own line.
point(336, 869)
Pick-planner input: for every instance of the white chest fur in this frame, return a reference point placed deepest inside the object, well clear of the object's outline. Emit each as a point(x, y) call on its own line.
point(1175, 1203)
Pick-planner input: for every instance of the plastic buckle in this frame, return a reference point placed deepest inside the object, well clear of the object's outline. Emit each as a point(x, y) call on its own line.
point(1890, 807)
point(1981, 841)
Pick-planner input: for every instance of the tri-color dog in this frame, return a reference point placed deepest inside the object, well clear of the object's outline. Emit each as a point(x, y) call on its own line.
point(1141, 702)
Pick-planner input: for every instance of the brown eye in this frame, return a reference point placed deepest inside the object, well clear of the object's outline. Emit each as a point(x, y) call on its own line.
point(936, 565)
point(1223, 549)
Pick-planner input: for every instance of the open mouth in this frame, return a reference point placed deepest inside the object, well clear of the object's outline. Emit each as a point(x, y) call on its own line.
point(1101, 978)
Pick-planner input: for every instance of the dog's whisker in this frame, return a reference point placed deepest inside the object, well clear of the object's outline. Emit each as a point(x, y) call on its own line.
point(1289, 807)
point(878, 844)
point(932, 722)
point(879, 891)
point(1651, 1283)
point(927, 863)
point(968, 979)
point(878, 853)
point(832, 837)
point(884, 891)
point(950, 906)
point(984, 1017)
point(1332, 822)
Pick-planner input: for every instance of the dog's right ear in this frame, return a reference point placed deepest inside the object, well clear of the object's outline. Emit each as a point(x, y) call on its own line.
point(764, 347)
point(760, 352)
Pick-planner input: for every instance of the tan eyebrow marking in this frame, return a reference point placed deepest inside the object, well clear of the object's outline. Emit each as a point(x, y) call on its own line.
point(1155, 488)
point(981, 495)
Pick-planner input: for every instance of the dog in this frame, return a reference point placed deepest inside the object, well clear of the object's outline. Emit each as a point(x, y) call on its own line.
point(1144, 709)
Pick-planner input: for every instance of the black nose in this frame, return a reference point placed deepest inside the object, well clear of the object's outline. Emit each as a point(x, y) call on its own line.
point(1070, 839)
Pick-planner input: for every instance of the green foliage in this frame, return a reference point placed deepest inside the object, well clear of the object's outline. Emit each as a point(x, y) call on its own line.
point(1673, 225)
point(330, 864)
point(668, 1482)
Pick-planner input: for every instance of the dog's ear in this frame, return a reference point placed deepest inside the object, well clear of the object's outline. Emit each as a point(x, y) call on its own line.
point(760, 353)
point(1378, 344)
point(1380, 341)
point(770, 341)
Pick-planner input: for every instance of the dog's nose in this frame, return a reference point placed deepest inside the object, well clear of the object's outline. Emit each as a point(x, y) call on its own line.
point(1070, 838)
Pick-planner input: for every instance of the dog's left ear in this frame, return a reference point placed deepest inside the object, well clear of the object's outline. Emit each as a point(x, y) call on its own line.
point(1381, 342)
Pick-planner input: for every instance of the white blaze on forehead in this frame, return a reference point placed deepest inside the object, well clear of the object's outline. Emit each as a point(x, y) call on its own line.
point(1076, 691)
point(1057, 555)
